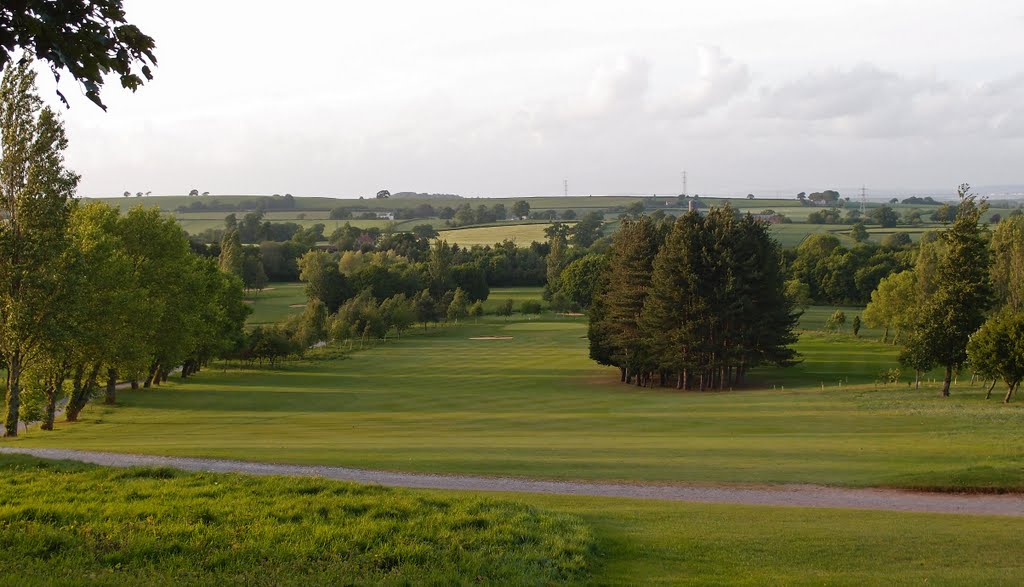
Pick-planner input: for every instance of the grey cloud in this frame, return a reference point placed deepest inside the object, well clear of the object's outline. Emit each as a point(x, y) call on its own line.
point(719, 80)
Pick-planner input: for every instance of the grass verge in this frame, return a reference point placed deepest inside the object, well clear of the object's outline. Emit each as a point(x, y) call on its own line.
point(69, 523)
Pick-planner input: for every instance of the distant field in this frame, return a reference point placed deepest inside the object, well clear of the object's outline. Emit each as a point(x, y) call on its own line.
point(522, 234)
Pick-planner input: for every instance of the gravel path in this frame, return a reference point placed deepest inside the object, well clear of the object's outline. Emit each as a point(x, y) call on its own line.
point(781, 495)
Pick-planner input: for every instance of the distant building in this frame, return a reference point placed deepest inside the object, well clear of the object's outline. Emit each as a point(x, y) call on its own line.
point(386, 215)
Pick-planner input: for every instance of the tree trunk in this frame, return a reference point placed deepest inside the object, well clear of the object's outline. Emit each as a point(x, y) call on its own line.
point(990, 388)
point(135, 383)
point(149, 375)
point(622, 374)
point(885, 334)
point(13, 394)
point(82, 392)
point(111, 396)
point(51, 402)
point(1009, 392)
point(947, 380)
point(680, 381)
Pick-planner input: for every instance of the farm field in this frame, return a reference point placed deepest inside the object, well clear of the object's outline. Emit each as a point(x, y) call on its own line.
point(521, 234)
point(535, 406)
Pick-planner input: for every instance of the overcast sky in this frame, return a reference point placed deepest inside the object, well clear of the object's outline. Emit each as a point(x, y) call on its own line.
point(496, 99)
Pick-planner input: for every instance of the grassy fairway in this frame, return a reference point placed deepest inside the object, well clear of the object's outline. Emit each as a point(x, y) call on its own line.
point(659, 543)
point(535, 406)
point(276, 301)
point(66, 523)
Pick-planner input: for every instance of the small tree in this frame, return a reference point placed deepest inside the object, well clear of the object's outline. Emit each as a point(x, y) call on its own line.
point(835, 321)
point(997, 349)
point(193, 192)
point(858, 233)
point(505, 309)
point(530, 307)
point(476, 310)
point(521, 209)
point(855, 325)
point(383, 194)
point(459, 306)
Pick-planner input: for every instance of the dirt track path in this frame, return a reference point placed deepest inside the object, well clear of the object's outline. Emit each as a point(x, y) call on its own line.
point(782, 495)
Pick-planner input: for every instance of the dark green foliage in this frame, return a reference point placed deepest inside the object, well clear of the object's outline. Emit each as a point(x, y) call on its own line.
point(858, 232)
point(88, 39)
point(885, 216)
point(160, 526)
point(580, 279)
point(710, 306)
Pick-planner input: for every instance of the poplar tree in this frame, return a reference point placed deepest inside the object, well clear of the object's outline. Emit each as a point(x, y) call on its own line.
point(35, 189)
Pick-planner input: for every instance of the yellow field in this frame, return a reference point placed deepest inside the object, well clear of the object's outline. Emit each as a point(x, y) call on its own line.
point(521, 234)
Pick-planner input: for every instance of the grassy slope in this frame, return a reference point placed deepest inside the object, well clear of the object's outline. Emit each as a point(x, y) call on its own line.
point(68, 523)
point(522, 234)
point(536, 406)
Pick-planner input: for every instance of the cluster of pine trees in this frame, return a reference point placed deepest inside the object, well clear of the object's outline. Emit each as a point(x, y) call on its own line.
point(695, 303)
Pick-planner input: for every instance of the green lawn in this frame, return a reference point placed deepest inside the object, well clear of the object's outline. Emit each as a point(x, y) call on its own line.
point(518, 295)
point(535, 406)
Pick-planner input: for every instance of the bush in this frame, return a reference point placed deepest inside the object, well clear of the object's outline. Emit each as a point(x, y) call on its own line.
point(530, 307)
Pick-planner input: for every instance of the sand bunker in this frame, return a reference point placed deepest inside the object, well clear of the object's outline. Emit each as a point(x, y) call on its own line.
point(248, 301)
point(297, 305)
point(490, 337)
point(571, 314)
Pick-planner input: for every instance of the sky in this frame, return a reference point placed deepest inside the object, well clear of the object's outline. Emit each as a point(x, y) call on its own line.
point(504, 99)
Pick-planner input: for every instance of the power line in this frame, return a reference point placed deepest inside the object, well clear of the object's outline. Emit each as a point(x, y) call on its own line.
point(863, 200)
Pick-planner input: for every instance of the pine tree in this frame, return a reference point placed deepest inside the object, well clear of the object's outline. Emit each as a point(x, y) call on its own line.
point(629, 276)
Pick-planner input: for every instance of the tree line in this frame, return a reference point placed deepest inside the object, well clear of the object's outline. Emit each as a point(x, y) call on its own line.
point(695, 303)
point(88, 296)
point(961, 303)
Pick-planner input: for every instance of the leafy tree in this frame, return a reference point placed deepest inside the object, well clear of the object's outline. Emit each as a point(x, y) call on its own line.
point(340, 213)
point(963, 295)
point(997, 349)
point(894, 304)
point(521, 209)
point(383, 194)
point(530, 307)
point(569, 214)
point(636, 209)
point(835, 321)
point(896, 240)
point(855, 326)
point(424, 231)
point(798, 293)
point(458, 308)
point(426, 309)
point(885, 216)
point(750, 196)
point(588, 230)
point(87, 39)
point(558, 242)
point(398, 312)
point(476, 310)
point(193, 192)
point(858, 233)
point(579, 279)
point(35, 194)
point(323, 279)
point(1007, 271)
point(505, 309)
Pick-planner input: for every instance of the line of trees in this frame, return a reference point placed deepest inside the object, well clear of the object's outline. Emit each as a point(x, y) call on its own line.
point(89, 296)
point(962, 302)
point(696, 303)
